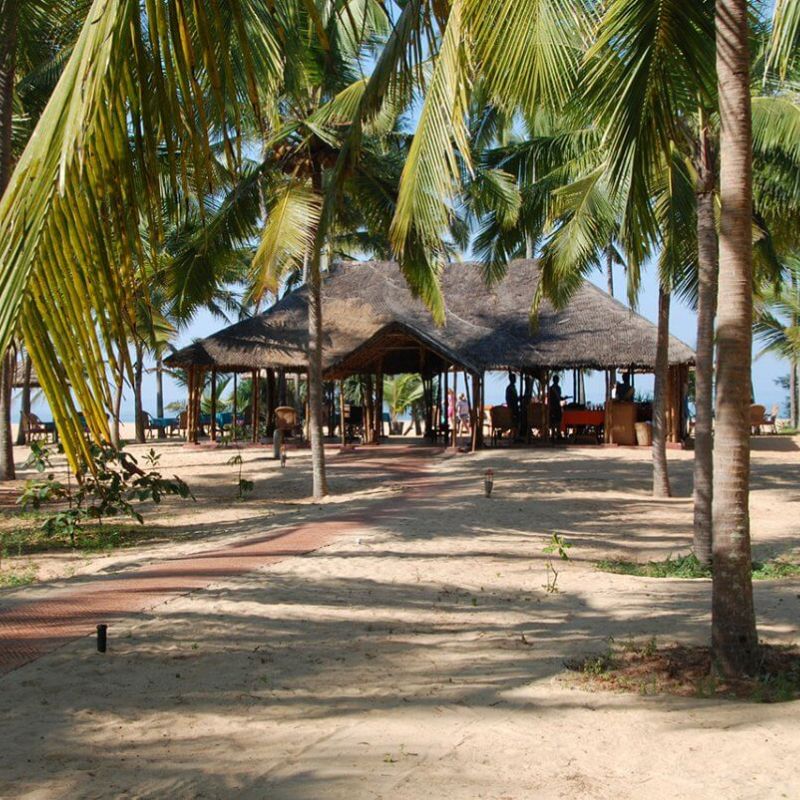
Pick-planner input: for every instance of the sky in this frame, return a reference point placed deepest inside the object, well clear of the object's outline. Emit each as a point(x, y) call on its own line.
point(682, 324)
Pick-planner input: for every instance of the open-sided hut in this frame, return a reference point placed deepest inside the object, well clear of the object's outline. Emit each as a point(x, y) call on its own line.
point(373, 324)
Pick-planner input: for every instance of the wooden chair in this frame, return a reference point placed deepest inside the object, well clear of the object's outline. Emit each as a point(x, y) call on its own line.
point(756, 418)
point(35, 429)
point(500, 422)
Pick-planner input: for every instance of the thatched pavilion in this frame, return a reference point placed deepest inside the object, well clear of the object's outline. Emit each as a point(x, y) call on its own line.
point(374, 326)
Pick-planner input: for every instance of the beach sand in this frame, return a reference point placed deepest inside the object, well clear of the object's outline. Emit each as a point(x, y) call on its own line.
point(419, 655)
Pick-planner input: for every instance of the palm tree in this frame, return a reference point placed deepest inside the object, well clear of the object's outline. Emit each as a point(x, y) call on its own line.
point(734, 638)
point(400, 393)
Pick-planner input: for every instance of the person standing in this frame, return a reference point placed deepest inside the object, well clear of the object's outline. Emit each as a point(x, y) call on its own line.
point(554, 401)
point(512, 403)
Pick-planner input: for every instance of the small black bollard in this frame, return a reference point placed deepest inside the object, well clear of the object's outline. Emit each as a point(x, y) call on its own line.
point(102, 636)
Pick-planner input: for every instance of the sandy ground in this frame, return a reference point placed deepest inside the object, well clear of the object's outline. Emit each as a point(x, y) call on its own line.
point(419, 655)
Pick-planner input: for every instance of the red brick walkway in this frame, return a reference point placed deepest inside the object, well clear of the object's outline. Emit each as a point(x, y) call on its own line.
point(31, 629)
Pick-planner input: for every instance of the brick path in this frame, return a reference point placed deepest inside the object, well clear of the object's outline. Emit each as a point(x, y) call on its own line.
point(31, 629)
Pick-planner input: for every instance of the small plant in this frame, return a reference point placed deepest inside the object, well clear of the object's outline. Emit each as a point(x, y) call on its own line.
point(244, 486)
point(152, 458)
point(558, 545)
point(109, 489)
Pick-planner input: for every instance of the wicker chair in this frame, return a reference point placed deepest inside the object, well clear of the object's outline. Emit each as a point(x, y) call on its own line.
point(287, 421)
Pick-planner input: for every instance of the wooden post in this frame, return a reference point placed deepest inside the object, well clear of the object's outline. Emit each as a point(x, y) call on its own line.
point(609, 420)
point(270, 402)
point(213, 404)
point(256, 391)
point(342, 429)
point(379, 403)
point(369, 409)
point(454, 437)
point(235, 406)
point(446, 405)
point(189, 402)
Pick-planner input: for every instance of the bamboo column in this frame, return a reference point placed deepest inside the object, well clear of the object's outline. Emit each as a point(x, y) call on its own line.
point(369, 408)
point(189, 403)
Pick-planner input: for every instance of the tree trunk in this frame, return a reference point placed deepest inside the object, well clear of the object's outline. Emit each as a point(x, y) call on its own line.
point(708, 269)
point(7, 471)
point(661, 486)
point(116, 439)
point(160, 394)
point(315, 399)
point(8, 66)
point(25, 400)
point(734, 638)
point(610, 270)
point(793, 410)
point(138, 410)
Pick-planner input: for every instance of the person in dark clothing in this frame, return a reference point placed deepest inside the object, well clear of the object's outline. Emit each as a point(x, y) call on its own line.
point(554, 400)
point(624, 391)
point(512, 403)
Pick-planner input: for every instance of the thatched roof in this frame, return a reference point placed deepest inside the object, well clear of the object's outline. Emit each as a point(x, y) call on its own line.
point(486, 329)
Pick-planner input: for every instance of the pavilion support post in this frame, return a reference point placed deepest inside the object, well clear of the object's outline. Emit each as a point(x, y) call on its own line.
point(474, 412)
point(379, 403)
point(281, 387)
point(189, 403)
point(270, 409)
point(454, 434)
point(256, 392)
point(235, 405)
point(214, 404)
point(446, 405)
point(611, 376)
point(439, 408)
point(481, 408)
point(342, 428)
point(369, 408)
point(524, 412)
point(195, 413)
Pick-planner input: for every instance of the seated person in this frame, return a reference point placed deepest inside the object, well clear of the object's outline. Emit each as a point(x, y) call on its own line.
point(624, 392)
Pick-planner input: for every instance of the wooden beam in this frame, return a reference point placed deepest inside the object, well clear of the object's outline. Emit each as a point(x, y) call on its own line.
point(213, 404)
point(342, 429)
point(235, 406)
point(254, 399)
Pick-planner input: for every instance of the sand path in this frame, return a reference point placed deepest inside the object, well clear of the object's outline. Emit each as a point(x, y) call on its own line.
point(418, 655)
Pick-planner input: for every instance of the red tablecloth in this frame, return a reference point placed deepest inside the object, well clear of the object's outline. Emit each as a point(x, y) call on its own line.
point(571, 418)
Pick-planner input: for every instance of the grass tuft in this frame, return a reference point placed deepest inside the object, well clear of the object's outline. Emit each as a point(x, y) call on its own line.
point(689, 567)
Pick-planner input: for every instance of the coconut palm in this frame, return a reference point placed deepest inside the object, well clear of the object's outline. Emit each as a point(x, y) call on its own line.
point(734, 638)
point(400, 393)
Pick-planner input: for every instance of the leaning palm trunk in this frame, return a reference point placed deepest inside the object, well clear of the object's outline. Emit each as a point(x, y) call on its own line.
point(793, 411)
point(734, 638)
point(661, 486)
point(7, 472)
point(8, 65)
point(708, 269)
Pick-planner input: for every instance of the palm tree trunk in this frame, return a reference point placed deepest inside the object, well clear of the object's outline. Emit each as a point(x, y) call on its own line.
point(661, 486)
point(7, 471)
point(315, 399)
point(116, 439)
point(733, 636)
point(25, 400)
point(708, 273)
point(610, 270)
point(793, 410)
point(138, 410)
point(8, 66)
point(160, 394)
